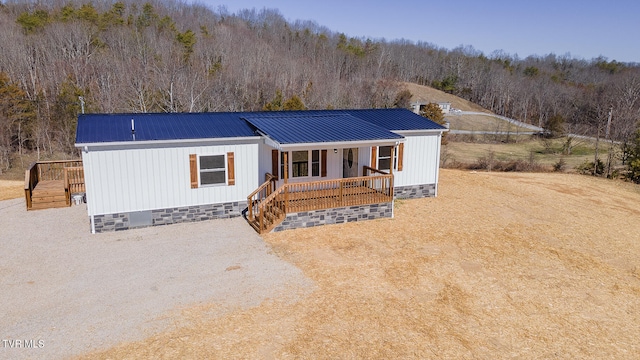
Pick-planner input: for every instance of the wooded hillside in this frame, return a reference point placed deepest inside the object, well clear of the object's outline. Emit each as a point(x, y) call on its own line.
point(165, 56)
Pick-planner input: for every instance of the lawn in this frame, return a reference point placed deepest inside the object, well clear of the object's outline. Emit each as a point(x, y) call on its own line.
point(499, 265)
point(525, 149)
point(486, 122)
point(11, 189)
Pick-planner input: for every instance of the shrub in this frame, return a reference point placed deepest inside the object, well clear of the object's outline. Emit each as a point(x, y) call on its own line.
point(586, 168)
point(560, 166)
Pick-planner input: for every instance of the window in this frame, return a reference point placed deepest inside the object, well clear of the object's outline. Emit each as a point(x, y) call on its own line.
point(384, 158)
point(212, 170)
point(315, 163)
point(299, 163)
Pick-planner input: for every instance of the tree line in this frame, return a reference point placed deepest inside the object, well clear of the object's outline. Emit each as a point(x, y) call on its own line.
point(167, 56)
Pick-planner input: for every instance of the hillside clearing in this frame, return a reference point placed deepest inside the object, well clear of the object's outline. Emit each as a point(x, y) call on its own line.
point(498, 265)
point(475, 122)
point(429, 94)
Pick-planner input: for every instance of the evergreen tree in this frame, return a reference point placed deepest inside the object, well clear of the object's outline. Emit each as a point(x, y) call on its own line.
point(275, 104)
point(433, 112)
point(294, 103)
point(65, 113)
point(634, 158)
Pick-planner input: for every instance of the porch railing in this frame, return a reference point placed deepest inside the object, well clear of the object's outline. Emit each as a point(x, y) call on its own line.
point(317, 195)
point(69, 172)
point(74, 179)
point(258, 195)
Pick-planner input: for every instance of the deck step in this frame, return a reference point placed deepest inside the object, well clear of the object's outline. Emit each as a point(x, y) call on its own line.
point(49, 198)
point(48, 205)
point(254, 224)
point(49, 194)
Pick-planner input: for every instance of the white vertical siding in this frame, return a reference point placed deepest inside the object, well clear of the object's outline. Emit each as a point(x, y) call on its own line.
point(421, 161)
point(146, 179)
point(265, 162)
point(334, 164)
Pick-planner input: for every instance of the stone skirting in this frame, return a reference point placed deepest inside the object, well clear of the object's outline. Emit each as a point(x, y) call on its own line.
point(336, 216)
point(414, 191)
point(111, 222)
point(123, 221)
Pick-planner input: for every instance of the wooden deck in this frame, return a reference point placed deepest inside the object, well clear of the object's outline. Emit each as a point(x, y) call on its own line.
point(49, 184)
point(267, 207)
point(330, 198)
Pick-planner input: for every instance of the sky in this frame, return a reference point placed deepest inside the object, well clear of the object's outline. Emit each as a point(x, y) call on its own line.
point(583, 29)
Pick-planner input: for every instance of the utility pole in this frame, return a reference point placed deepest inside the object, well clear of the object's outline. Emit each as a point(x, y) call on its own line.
point(595, 160)
point(608, 137)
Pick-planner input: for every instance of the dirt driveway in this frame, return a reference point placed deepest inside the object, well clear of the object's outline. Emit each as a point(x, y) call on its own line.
point(65, 291)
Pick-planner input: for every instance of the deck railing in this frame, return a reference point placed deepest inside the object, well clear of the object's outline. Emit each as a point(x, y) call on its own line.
point(317, 195)
point(70, 172)
point(74, 179)
point(261, 193)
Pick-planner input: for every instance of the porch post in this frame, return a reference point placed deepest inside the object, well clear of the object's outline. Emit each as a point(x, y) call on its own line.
point(286, 180)
point(392, 158)
point(286, 167)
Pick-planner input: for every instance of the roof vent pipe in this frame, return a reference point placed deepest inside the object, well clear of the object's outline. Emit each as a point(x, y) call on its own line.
point(133, 130)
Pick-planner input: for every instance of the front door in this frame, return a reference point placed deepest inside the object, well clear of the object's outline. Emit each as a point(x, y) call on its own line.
point(349, 163)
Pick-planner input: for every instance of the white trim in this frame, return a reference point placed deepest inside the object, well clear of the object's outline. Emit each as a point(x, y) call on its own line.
point(420, 132)
point(438, 165)
point(136, 144)
point(226, 176)
point(273, 144)
point(340, 144)
point(392, 161)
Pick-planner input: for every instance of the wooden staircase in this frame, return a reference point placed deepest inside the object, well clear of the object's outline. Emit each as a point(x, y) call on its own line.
point(49, 184)
point(265, 206)
point(49, 194)
point(271, 217)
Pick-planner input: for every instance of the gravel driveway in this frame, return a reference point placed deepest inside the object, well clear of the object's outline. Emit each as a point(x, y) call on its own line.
point(65, 291)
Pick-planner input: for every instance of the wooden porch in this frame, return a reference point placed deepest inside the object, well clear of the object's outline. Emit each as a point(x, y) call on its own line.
point(50, 184)
point(267, 206)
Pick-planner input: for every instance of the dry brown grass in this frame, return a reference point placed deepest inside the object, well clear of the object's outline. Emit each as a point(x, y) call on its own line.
point(11, 189)
point(426, 93)
point(483, 123)
point(499, 265)
point(470, 152)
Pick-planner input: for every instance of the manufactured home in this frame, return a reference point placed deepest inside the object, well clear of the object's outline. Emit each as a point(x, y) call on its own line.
point(280, 170)
point(418, 107)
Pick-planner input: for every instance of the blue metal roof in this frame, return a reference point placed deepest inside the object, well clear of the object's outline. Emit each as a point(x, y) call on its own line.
point(297, 128)
point(396, 119)
point(98, 128)
point(286, 127)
